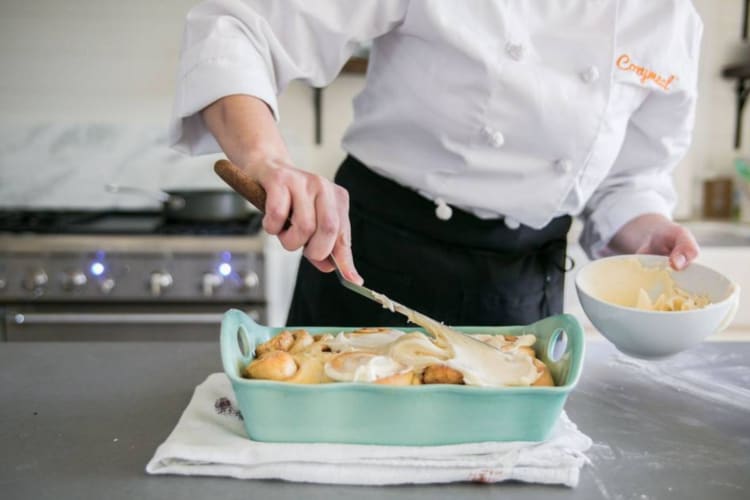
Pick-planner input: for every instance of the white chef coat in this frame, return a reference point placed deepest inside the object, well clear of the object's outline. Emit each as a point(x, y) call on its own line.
point(522, 109)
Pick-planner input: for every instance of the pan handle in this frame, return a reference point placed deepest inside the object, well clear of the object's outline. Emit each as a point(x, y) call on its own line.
point(175, 202)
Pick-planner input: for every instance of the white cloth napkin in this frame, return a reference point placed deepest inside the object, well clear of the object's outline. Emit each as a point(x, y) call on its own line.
point(210, 440)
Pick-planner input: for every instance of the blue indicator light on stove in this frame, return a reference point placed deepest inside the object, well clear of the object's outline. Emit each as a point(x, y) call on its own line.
point(97, 268)
point(225, 269)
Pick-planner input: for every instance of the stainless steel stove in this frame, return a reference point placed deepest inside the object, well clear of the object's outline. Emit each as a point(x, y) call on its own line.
point(125, 275)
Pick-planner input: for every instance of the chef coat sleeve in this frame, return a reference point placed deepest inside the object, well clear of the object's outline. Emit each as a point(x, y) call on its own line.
point(640, 181)
point(256, 47)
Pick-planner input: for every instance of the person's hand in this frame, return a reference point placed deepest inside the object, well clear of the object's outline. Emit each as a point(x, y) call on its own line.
point(319, 214)
point(655, 234)
point(319, 210)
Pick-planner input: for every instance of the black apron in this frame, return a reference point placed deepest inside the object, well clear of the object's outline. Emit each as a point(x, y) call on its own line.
point(463, 271)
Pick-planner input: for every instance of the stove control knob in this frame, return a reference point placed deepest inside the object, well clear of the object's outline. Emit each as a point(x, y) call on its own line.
point(250, 280)
point(73, 280)
point(106, 285)
point(160, 280)
point(211, 281)
point(35, 280)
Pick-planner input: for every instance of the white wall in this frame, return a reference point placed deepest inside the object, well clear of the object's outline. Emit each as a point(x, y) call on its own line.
point(113, 61)
point(297, 117)
point(713, 151)
point(88, 59)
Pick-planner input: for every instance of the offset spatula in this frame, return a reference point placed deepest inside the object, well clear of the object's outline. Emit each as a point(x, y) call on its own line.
point(254, 192)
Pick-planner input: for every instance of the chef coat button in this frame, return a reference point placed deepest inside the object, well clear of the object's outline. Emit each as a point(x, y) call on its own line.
point(590, 75)
point(494, 137)
point(497, 139)
point(563, 165)
point(512, 223)
point(516, 51)
point(442, 211)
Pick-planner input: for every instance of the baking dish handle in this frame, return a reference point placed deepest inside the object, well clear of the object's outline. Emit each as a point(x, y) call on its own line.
point(562, 349)
point(557, 345)
point(237, 342)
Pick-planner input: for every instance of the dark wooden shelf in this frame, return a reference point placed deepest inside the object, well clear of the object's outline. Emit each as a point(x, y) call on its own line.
point(355, 65)
point(737, 71)
point(741, 73)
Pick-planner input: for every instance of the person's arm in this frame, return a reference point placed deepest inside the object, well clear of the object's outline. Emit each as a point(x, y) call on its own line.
point(237, 57)
point(630, 211)
point(245, 129)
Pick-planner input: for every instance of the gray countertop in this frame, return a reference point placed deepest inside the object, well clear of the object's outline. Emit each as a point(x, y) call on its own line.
point(81, 420)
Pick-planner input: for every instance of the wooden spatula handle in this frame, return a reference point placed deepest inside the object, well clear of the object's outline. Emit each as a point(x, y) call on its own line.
point(242, 183)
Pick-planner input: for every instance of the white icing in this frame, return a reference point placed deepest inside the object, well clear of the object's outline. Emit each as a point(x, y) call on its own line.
point(480, 363)
point(418, 351)
point(375, 342)
point(631, 284)
point(502, 343)
point(384, 301)
point(361, 367)
point(514, 368)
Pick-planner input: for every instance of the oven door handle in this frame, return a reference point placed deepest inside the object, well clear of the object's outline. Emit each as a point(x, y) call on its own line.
point(117, 318)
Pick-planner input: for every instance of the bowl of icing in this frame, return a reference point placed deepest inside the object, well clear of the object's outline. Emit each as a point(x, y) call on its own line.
point(650, 311)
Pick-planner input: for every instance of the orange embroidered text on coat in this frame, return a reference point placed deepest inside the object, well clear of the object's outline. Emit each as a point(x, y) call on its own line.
point(624, 63)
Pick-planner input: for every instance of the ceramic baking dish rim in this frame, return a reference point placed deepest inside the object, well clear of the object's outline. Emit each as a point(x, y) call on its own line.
point(577, 343)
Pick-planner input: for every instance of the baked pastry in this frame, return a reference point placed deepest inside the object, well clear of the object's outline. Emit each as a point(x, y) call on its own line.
point(274, 365)
point(441, 374)
point(302, 339)
point(545, 376)
point(407, 377)
point(385, 356)
point(320, 345)
point(508, 343)
point(372, 329)
point(281, 342)
point(309, 370)
point(360, 366)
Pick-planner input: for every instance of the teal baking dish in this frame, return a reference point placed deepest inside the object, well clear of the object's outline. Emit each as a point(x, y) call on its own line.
point(415, 415)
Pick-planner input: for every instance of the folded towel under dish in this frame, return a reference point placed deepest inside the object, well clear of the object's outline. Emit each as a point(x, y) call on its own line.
point(210, 440)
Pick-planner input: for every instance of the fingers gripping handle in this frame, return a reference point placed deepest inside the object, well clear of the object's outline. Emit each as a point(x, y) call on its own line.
point(249, 188)
point(244, 184)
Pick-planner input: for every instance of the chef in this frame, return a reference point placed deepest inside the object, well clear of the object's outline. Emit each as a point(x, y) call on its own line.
point(483, 127)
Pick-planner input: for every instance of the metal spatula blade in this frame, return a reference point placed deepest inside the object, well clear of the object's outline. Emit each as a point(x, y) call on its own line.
point(362, 290)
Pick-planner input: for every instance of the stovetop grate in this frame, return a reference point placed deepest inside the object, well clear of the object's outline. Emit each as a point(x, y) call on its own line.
point(118, 222)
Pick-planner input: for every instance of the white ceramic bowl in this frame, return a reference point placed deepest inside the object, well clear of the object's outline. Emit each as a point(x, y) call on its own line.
point(656, 334)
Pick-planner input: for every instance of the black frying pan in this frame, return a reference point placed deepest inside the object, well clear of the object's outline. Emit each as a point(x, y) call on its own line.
point(194, 205)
